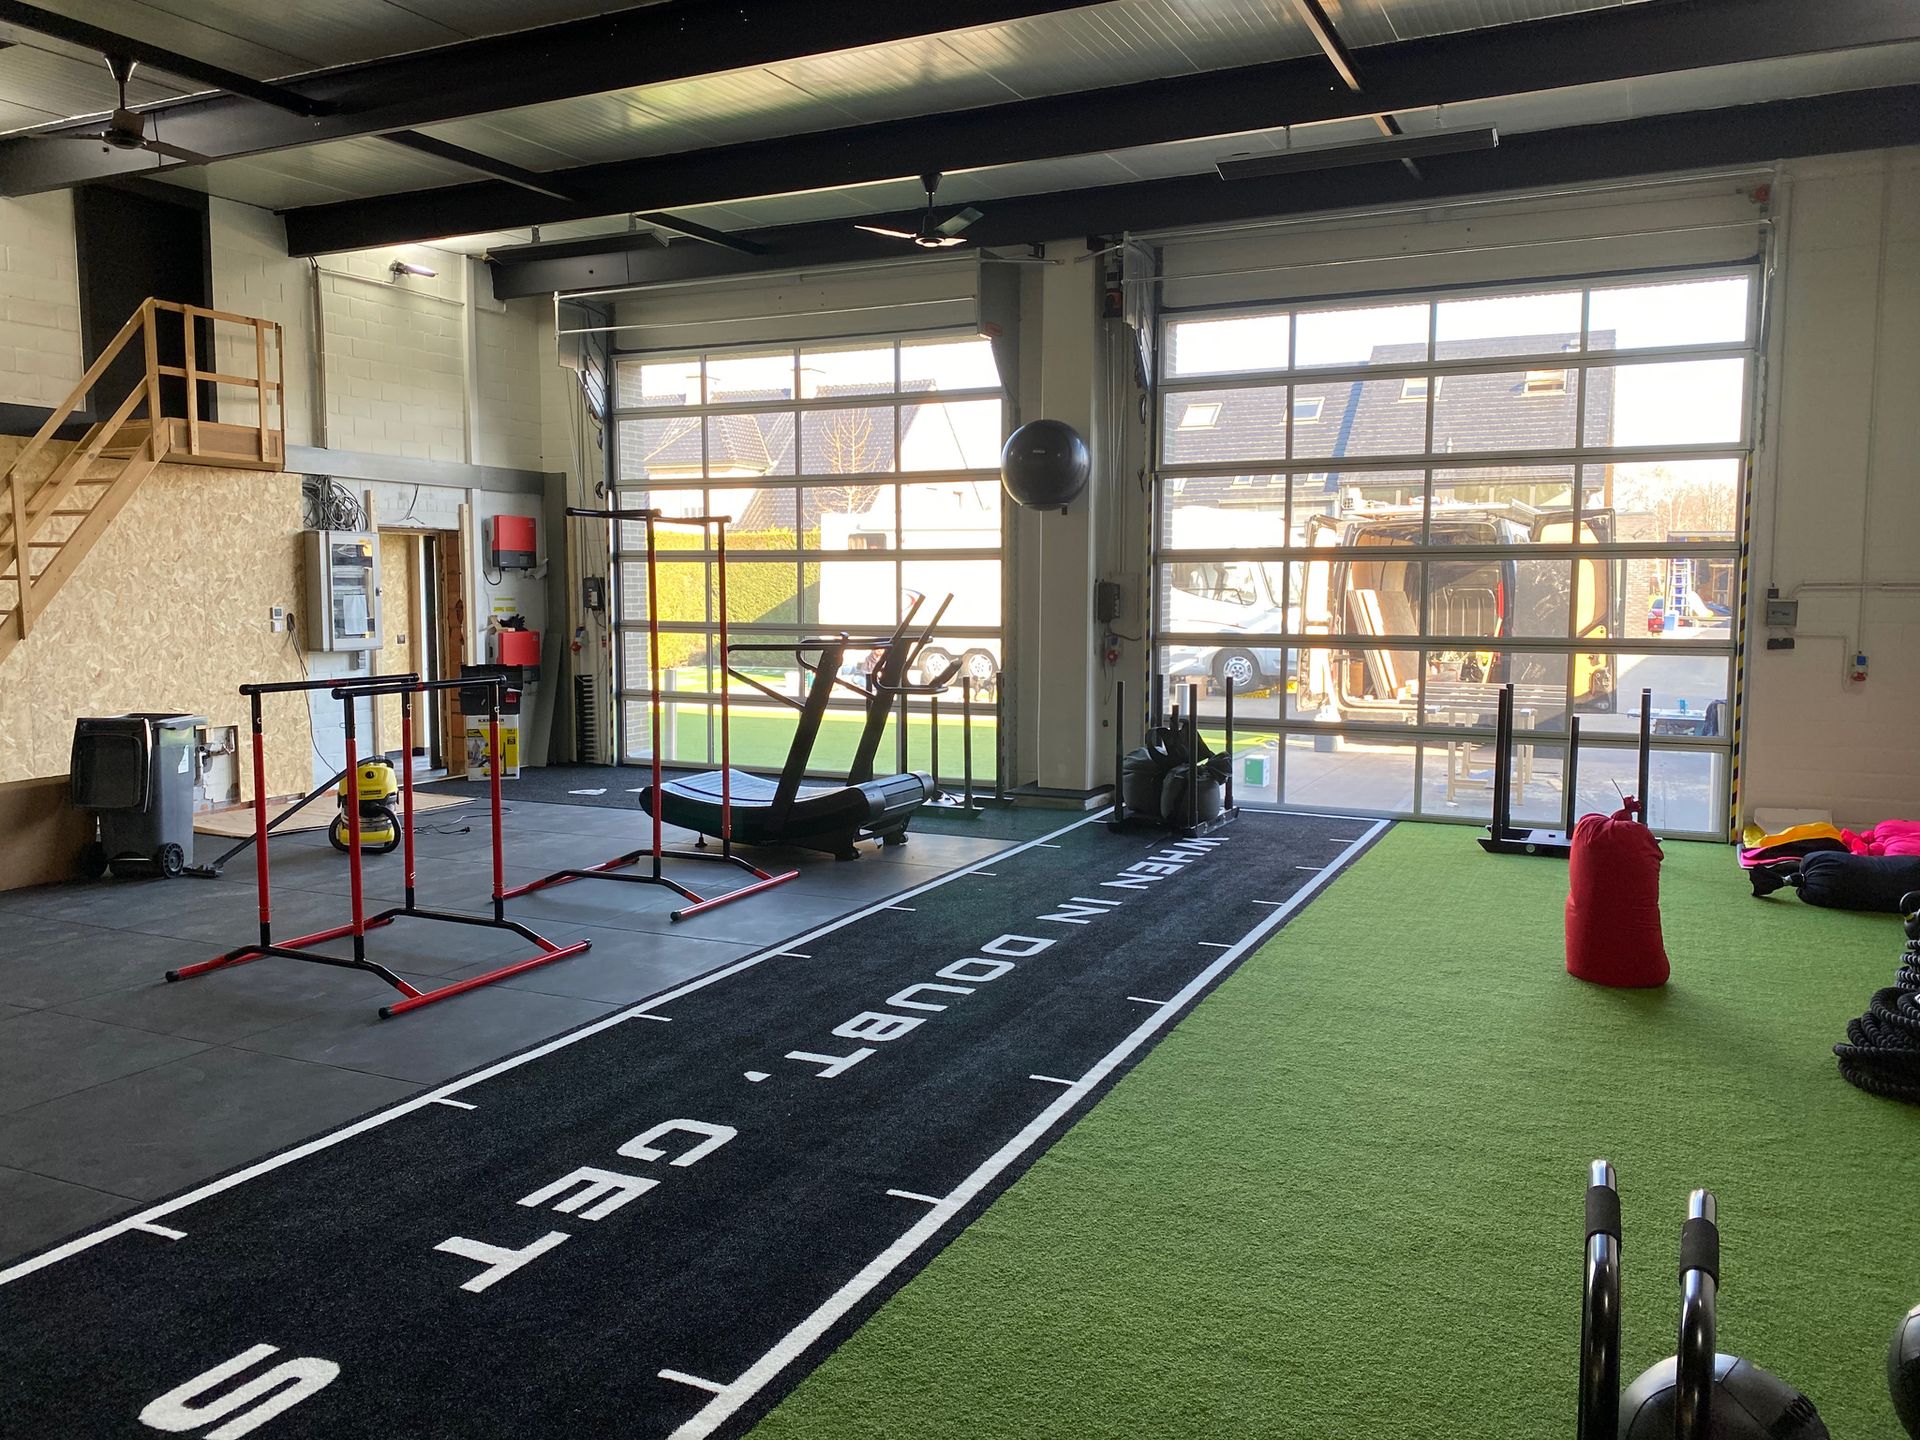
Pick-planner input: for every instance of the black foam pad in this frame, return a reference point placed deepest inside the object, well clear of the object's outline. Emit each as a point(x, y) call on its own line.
point(1700, 1247)
point(1603, 1211)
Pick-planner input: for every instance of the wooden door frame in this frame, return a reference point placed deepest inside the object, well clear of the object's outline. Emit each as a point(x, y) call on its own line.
point(450, 642)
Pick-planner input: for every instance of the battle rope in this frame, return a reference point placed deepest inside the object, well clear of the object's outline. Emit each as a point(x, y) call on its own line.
point(1882, 1053)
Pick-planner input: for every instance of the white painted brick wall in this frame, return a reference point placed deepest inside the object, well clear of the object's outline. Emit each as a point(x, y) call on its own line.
point(253, 276)
point(39, 301)
point(395, 354)
point(510, 357)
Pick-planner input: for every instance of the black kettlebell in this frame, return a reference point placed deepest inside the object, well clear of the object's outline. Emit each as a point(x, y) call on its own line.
point(1696, 1394)
point(1903, 1367)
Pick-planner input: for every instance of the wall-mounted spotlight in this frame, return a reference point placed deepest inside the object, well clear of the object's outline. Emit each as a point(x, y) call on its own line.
point(407, 267)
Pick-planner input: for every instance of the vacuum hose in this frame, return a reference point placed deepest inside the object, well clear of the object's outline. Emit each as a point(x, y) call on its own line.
point(1882, 1053)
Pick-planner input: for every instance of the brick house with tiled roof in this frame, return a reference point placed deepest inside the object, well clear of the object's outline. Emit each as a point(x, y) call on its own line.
point(1474, 414)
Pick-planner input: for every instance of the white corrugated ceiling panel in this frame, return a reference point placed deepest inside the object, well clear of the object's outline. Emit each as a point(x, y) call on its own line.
point(272, 40)
point(1099, 45)
point(1132, 40)
point(1378, 22)
point(320, 174)
point(42, 81)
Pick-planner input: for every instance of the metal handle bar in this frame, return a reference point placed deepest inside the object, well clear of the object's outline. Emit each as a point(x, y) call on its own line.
point(1693, 1364)
point(849, 642)
point(282, 687)
point(414, 685)
point(931, 687)
point(1599, 1413)
point(659, 517)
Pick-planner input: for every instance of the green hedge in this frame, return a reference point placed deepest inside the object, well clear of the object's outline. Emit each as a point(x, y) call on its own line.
point(756, 593)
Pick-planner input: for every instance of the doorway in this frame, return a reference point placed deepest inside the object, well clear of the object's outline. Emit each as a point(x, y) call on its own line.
point(444, 626)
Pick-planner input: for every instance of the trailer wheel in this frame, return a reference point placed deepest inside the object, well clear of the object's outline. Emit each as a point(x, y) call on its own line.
point(1239, 667)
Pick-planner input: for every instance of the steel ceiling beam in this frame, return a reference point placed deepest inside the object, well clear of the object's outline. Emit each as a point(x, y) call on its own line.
point(474, 160)
point(108, 42)
point(1693, 141)
point(1327, 37)
point(1615, 43)
point(639, 45)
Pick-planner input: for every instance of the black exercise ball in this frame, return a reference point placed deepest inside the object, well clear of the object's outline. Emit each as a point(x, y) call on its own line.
point(1903, 1370)
point(1045, 464)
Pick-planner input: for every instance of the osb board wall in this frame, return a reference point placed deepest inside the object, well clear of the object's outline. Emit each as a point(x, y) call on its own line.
point(169, 611)
point(397, 649)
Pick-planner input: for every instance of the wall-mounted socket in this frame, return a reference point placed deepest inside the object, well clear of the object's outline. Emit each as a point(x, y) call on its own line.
point(1857, 669)
point(277, 619)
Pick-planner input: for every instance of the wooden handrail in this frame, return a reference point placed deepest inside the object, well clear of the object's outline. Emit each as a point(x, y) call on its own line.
point(85, 384)
point(218, 378)
point(27, 507)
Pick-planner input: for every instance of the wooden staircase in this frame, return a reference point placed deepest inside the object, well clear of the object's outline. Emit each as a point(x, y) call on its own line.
point(56, 507)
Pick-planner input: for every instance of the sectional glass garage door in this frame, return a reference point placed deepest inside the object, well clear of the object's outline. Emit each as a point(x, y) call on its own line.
point(1372, 514)
point(857, 477)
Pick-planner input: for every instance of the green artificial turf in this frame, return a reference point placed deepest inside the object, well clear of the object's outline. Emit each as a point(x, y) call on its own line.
point(761, 742)
point(1343, 1198)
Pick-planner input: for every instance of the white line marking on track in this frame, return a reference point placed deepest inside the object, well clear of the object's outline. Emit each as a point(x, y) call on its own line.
point(164, 1232)
point(908, 909)
point(1267, 902)
point(663, 1019)
point(1044, 845)
point(453, 1104)
point(680, 1377)
point(756, 1076)
point(795, 1343)
point(915, 1195)
point(1345, 840)
point(990, 874)
point(1053, 1079)
point(1143, 1000)
point(1316, 869)
point(792, 955)
point(1213, 944)
point(512, 1062)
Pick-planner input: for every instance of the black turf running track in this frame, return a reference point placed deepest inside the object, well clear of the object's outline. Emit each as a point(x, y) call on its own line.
point(656, 1224)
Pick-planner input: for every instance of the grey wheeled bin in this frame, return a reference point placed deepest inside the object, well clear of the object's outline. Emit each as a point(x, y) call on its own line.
point(136, 774)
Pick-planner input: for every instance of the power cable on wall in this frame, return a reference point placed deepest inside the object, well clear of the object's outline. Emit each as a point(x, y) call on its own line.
point(329, 505)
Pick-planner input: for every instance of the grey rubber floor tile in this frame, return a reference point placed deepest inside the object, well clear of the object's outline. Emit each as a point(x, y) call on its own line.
point(430, 1044)
point(35, 1210)
point(152, 1133)
point(44, 1055)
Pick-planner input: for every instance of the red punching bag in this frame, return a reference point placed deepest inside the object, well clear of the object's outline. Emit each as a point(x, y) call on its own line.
point(1613, 902)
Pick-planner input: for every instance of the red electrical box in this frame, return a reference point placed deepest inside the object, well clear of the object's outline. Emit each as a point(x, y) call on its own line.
point(517, 647)
point(515, 543)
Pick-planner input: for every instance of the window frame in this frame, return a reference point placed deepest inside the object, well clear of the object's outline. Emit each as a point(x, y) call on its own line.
point(1286, 502)
point(703, 482)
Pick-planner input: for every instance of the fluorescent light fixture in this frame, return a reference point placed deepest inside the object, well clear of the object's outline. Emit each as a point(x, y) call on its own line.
point(1357, 152)
point(407, 267)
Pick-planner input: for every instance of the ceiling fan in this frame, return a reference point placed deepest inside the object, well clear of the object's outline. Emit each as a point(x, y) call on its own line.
point(127, 128)
point(931, 236)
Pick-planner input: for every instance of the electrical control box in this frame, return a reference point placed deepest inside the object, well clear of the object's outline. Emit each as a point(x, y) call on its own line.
point(343, 590)
point(513, 542)
point(517, 647)
point(1106, 601)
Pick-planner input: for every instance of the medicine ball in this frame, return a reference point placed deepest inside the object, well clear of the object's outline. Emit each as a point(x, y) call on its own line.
point(1045, 464)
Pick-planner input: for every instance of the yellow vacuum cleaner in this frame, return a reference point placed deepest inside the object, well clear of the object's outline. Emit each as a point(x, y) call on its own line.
point(378, 790)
